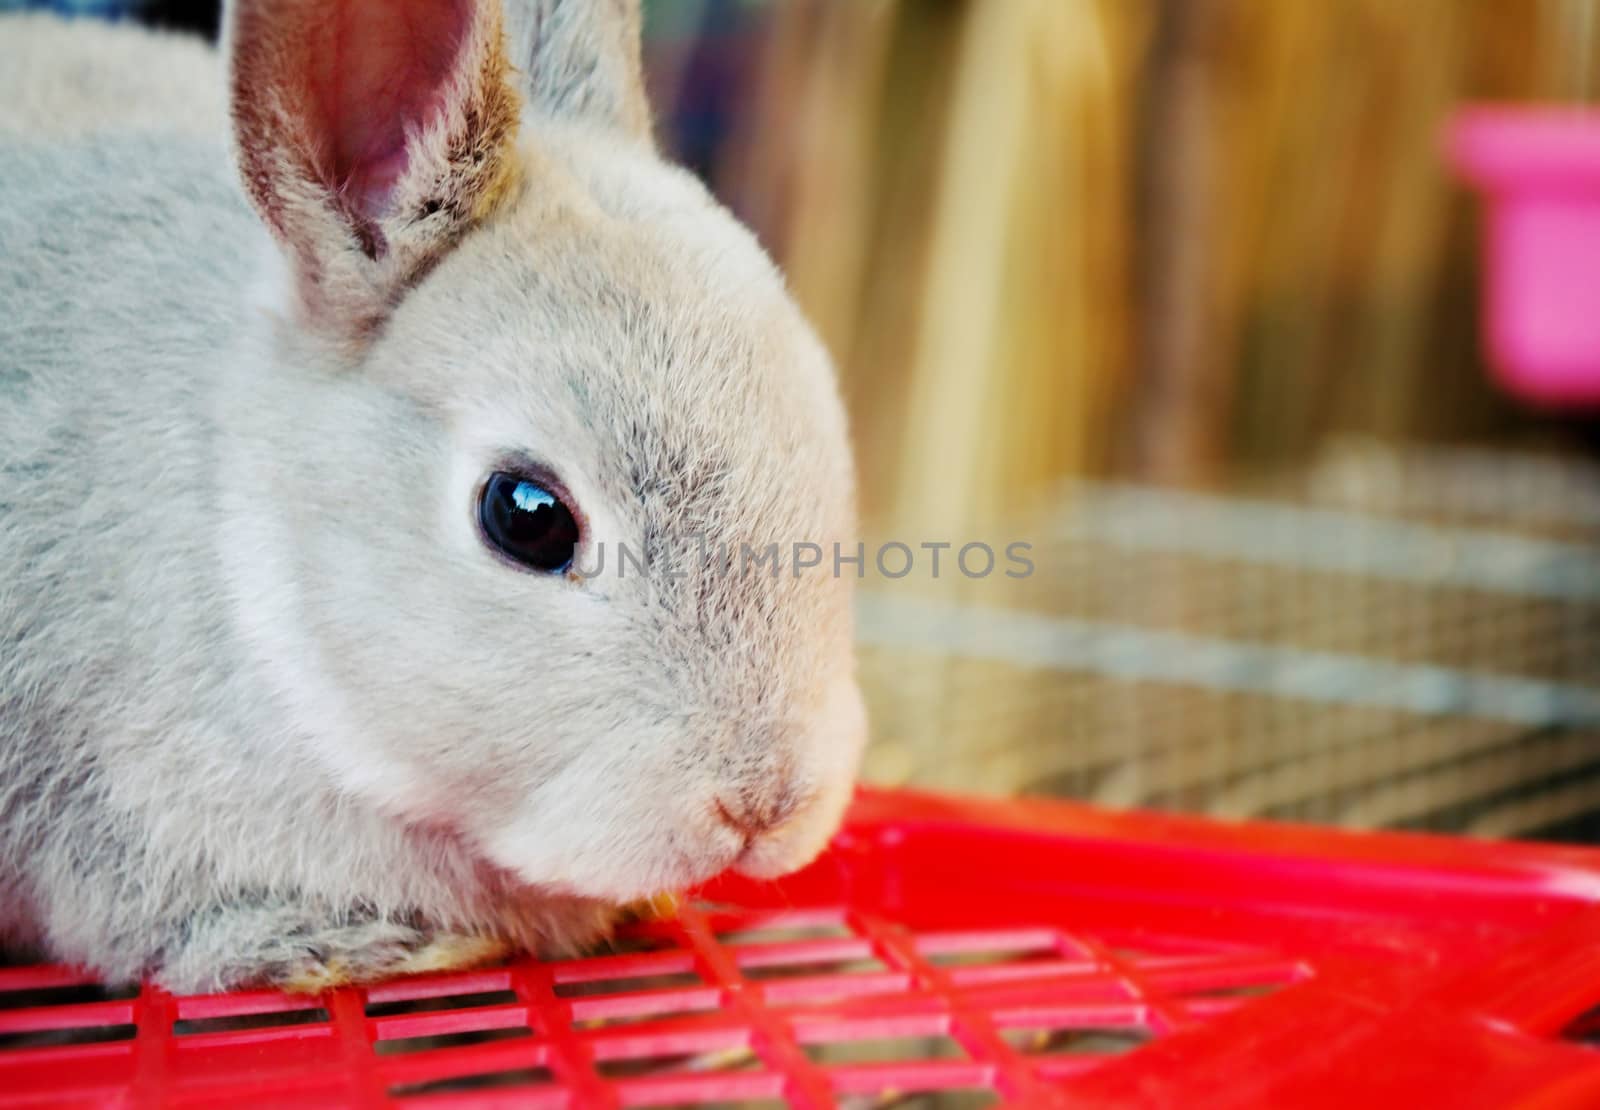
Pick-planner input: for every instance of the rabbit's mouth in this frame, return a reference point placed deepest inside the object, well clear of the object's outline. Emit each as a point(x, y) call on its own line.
point(798, 839)
point(768, 817)
point(784, 850)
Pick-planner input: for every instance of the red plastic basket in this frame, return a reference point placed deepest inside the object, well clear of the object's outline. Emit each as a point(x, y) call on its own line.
point(1048, 954)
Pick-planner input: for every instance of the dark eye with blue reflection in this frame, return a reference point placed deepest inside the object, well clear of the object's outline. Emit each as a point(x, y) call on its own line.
point(528, 523)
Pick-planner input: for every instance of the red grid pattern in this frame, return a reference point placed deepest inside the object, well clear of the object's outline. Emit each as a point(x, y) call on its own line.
point(943, 954)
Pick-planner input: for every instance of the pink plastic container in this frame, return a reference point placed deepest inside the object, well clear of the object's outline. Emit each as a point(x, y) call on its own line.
point(1539, 170)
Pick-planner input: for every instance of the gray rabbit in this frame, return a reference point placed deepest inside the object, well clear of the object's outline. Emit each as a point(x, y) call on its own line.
point(318, 662)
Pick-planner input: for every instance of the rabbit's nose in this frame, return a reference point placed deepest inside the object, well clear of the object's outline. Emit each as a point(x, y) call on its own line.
point(752, 816)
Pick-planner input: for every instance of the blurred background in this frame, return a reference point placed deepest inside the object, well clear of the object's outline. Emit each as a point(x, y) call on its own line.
point(1183, 294)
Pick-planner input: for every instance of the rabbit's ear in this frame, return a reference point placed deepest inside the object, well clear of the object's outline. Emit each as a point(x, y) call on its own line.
point(370, 136)
point(579, 59)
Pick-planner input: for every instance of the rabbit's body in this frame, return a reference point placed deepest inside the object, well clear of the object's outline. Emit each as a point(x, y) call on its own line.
point(268, 709)
point(61, 78)
point(121, 669)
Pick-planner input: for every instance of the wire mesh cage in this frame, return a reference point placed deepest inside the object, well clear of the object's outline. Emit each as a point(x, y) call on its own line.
point(1388, 637)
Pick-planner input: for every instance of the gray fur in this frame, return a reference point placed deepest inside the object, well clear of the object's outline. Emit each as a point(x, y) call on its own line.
point(581, 63)
point(268, 706)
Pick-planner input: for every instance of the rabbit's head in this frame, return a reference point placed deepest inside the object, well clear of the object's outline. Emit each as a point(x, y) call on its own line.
point(526, 442)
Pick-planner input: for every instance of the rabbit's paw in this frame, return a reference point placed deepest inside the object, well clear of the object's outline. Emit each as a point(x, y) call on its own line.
point(285, 946)
point(327, 967)
point(453, 952)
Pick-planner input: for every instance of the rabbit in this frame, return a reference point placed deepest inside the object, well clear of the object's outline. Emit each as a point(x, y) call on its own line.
point(320, 441)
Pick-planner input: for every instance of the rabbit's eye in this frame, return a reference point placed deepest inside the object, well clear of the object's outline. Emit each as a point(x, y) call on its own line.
point(527, 523)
